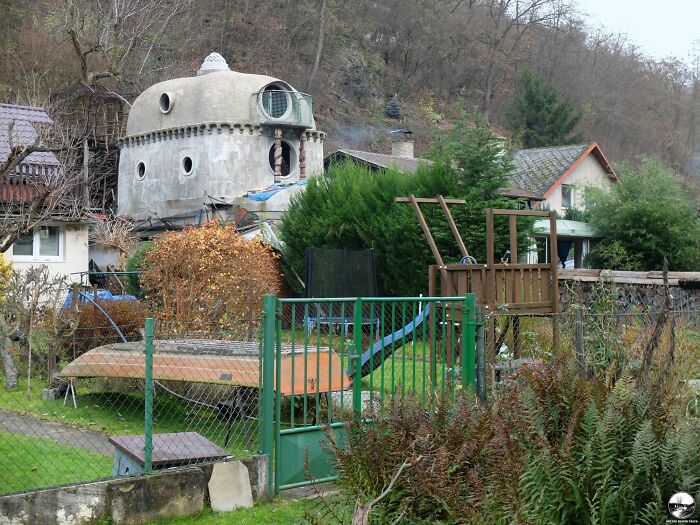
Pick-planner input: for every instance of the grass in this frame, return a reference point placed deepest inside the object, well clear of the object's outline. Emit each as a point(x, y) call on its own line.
point(279, 512)
point(122, 413)
point(27, 463)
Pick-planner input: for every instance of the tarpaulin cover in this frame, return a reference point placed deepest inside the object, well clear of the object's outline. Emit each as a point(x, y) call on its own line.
point(272, 190)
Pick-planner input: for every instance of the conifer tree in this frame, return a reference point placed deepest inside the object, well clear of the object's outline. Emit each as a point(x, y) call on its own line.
point(393, 108)
point(540, 116)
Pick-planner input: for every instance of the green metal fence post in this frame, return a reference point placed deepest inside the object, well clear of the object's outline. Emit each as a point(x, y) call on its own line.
point(148, 405)
point(357, 378)
point(468, 340)
point(268, 387)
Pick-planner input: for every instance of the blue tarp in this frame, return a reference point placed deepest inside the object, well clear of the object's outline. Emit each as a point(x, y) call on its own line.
point(102, 295)
point(272, 190)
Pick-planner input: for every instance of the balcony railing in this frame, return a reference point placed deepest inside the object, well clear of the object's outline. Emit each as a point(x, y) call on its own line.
point(279, 107)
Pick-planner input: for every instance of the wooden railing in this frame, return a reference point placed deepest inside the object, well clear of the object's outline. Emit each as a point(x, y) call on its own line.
point(517, 288)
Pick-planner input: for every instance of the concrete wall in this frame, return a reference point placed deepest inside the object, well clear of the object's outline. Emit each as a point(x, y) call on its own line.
point(229, 161)
point(127, 500)
point(73, 257)
point(589, 173)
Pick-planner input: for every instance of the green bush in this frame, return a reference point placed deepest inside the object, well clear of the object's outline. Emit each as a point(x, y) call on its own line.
point(135, 264)
point(353, 207)
point(646, 217)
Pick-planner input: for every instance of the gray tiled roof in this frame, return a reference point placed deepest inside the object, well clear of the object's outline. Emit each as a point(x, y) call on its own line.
point(537, 169)
point(23, 132)
point(381, 160)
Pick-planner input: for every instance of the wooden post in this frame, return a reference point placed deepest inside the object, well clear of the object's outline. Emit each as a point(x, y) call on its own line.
point(580, 357)
point(302, 155)
point(429, 237)
point(453, 226)
point(513, 227)
point(516, 336)
point(554, 263)
point(278, 154)
point(490, 285)
point(480, 356)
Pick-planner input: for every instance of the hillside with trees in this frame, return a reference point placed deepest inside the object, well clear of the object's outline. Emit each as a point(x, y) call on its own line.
point(371, 65)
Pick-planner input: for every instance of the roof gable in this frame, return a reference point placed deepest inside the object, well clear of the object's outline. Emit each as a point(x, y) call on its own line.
point(24, 133)
point(378, 160)
point(539, 170)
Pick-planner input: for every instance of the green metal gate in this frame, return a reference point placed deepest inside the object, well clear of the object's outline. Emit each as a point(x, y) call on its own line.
point(327, 362)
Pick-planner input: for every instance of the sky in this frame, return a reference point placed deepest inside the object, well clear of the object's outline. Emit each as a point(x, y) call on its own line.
point(662, 27)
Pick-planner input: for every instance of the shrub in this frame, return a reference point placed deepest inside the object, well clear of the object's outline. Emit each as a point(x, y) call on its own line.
point(554, 448)
point(93, 329)
point(5, 276)
point(135, 264)
point(646, 217)
point(209, 277)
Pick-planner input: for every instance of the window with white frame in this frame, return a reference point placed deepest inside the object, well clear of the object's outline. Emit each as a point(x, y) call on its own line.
point(44, 243)
point(568, 194)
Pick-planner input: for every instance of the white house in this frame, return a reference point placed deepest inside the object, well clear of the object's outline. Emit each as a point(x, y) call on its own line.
point(58, 243)
point(558, 177)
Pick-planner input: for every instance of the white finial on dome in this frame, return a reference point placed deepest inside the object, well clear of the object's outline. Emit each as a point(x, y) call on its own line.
point(213, 62)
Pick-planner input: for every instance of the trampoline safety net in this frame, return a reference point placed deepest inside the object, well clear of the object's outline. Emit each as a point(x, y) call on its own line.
point(340, 273)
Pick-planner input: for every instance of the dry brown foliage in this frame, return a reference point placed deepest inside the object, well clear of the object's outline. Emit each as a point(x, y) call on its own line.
point(209, 278)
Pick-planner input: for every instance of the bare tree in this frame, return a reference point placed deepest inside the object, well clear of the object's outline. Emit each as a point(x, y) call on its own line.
point(36, 191)
point(115, 233)
point(113, 37)
point(509, 22)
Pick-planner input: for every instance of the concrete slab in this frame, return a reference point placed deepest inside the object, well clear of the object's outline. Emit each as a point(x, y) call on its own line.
point(229, 487)
point(75, 505)
point(156, 496)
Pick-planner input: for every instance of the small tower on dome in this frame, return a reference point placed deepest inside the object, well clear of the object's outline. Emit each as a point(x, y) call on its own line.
point(213, 62)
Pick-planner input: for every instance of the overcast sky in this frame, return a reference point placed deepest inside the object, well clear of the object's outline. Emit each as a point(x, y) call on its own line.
point(661, 27)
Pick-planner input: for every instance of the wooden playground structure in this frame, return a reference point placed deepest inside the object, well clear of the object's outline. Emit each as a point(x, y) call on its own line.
point(505, 287)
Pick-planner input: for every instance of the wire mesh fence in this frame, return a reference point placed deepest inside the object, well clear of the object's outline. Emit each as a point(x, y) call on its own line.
point(79, 408)
point(388, 346)
point(598, 338)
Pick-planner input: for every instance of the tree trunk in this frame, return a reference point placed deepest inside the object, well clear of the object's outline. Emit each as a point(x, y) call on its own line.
point(319, 47)
point(8, 362)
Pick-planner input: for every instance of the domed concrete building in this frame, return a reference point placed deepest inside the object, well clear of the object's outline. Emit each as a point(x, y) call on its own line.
point(214, 142)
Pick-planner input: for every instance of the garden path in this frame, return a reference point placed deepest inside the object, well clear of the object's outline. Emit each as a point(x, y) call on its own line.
point(57, 432)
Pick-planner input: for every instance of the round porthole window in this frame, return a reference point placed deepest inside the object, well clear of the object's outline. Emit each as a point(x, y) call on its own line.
point(288, 163)
point(187, 165)
point(275, 101)
point(166, 102)
point(140, 171)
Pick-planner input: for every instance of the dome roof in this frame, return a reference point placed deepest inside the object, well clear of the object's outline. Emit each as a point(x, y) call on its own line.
point(215, 95)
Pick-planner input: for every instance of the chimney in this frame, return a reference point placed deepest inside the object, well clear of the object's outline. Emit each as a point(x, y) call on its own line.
point(401, 143)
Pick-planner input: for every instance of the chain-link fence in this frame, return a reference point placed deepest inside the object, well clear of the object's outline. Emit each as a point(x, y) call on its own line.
point(77, 403)
point(598, 338)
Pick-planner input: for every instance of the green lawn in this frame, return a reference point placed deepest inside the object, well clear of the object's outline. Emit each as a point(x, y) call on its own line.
point(279, 512)
point(122, 412)
point(27, 463)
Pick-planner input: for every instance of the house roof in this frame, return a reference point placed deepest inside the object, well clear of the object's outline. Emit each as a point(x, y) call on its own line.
point(377, 160)
point(539, 170)
point(23, 132)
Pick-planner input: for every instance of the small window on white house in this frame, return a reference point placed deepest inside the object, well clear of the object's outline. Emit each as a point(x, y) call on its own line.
point(567, 196)
point(43, 243)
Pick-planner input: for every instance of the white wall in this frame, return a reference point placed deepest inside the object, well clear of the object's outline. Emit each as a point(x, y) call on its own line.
point(589, 173)
point(228, 162)
point(74, 256)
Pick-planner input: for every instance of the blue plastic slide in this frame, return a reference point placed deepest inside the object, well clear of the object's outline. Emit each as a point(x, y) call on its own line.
point(373, 357)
